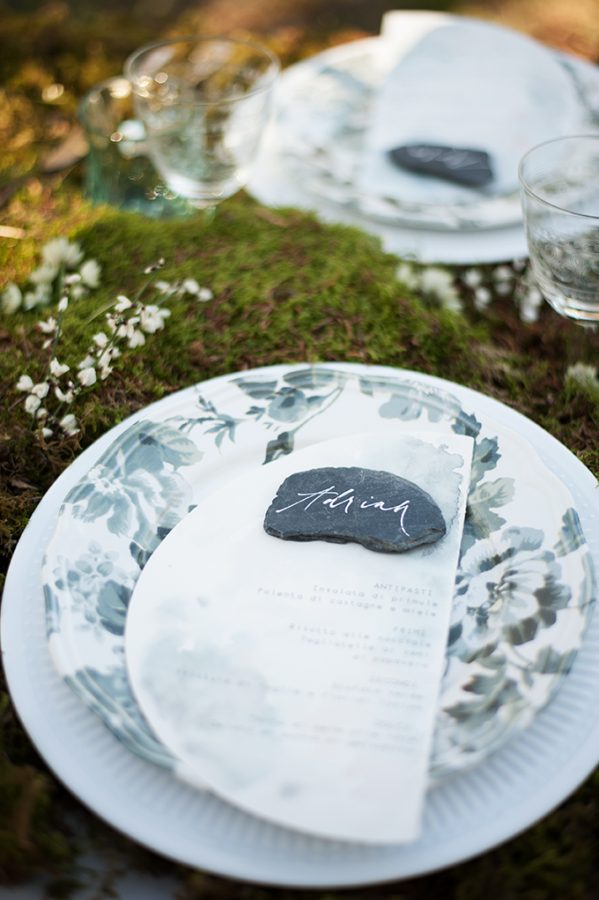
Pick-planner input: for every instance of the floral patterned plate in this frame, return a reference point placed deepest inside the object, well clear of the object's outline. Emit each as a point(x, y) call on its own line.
point(331, 139)
point(525, 583)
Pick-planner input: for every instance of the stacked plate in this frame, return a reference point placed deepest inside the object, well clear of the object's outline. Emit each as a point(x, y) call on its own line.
point(434, 79)
point(507, 746)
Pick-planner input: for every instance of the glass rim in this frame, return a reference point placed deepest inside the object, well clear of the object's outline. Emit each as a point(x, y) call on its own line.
point(275, 64)
point(528, 189)
point(82, 113)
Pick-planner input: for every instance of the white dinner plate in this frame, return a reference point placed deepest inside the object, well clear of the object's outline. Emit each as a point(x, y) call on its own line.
point(313, 153)
point(465, 813)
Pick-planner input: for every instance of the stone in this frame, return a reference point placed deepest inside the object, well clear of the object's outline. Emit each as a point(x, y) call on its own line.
point(458, 164)
point(379, 510)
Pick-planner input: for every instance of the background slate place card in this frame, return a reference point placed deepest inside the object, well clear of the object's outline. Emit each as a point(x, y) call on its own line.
point(379, 510)
point(462, 165)
point(299, 680)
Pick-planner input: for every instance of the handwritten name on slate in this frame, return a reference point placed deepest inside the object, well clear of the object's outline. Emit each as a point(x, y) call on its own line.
point(379, 510)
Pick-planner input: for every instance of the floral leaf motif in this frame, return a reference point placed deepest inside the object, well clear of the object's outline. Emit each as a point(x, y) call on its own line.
point(311, 379)
point(483, 684)
point(279, 446)
point(139, 554)
point(481, 521)
point(257, 390)
point(476, 711)
point(507, 591)
point(113, 600)
point(408, 406)
point(413, 401)
point(550, 662)
point(485, 457)
point(571, 534)
point(288, 405)
point(110, 691)
point(52, 611)
point(467, 424)
point(163, 444)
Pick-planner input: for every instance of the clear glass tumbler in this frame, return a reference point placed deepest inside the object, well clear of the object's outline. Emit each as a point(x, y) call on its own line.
point(205, 104)
point(559, 183)
point(118, 169)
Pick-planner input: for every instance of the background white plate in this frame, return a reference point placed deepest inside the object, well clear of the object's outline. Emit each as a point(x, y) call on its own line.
point(465, 815)
point(273, 184)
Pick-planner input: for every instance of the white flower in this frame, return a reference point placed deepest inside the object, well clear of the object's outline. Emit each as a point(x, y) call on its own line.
point(155, 266)
point(42, 413)
point(40, 390)
point(77, 291)
point(44, 274)
point(152, 318)
point(63, 396)
point(482, 298)
point(90, 273)
point(49, 326)
point(87, 376)
point(57, 369)
point(473, 277)
point(41, 296)
point(100, 339)
point(205, 294)
point(190, 286)
point(69, 424)
point(584, 375)
point(32, 404)
point(503, 273)
point(530, 304)
point(518, 264)
point(25, 383)
point(60, 251)
point(122, 303)
point(11, 298)
point(407, 275)
point(136, 340)
point(47, 432)
point(73, 278)
point(439, 284)
point(164, 287)
point(86, 362)
point(503, 288)
point(63, 304)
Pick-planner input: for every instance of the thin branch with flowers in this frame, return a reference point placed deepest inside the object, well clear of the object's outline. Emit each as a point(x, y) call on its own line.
point(51, 400)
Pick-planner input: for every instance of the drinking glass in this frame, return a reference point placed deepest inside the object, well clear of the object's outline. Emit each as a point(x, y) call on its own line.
point(205, 104)
point(118, 170)
point(559, 183)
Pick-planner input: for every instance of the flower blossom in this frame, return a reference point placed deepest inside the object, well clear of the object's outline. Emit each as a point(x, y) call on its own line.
point(90, 273)
point(57, 369)
point(40, 390)
point(32, 404)
point(439, 284)
point(152, 318)
point(69, 424)
point(49, 326)
point(25, 383)
point(87, 376)
point(61, 251)
point(11, 298)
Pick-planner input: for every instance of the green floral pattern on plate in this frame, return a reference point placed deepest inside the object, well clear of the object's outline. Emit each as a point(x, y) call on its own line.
point(522, 593)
